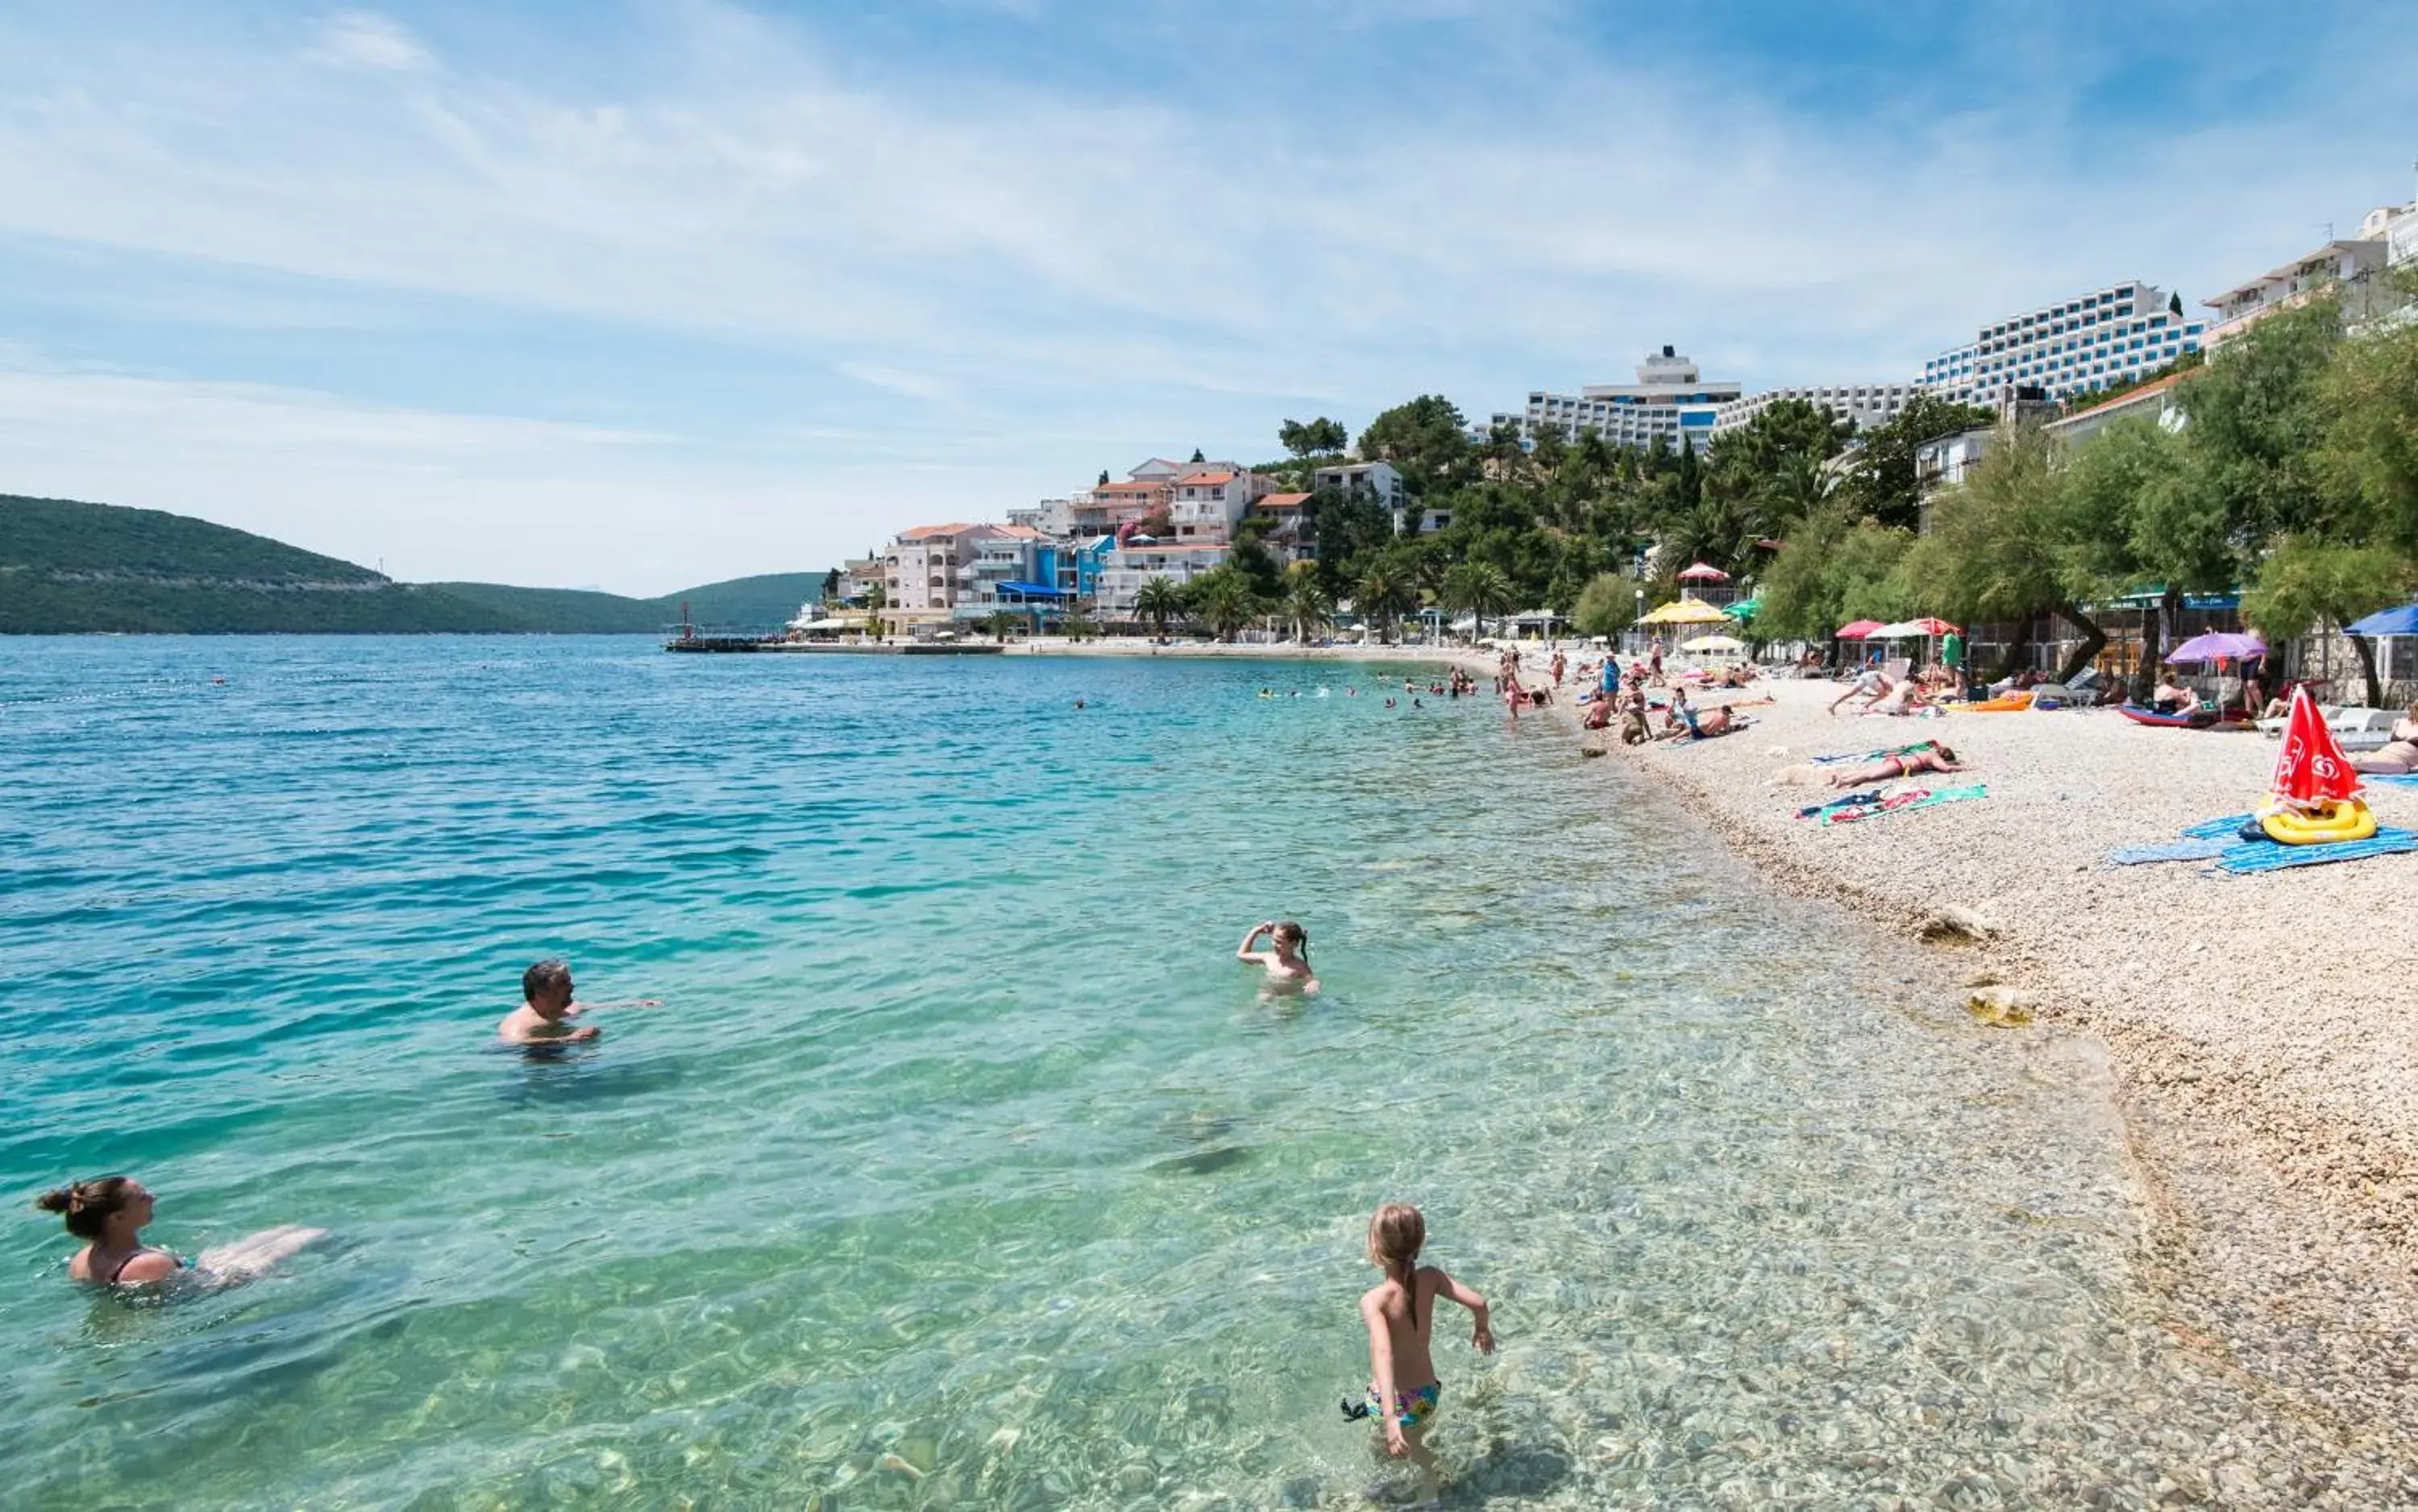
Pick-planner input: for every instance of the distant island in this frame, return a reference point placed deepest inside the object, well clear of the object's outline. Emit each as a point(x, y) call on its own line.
point(71, 568)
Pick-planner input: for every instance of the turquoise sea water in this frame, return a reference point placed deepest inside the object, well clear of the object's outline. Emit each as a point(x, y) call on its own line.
point(962, 1166)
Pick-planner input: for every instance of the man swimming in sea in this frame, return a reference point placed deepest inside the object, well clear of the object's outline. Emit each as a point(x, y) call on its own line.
point(548, 1006)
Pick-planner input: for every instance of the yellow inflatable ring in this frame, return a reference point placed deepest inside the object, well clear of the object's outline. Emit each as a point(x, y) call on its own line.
point(2349, 819)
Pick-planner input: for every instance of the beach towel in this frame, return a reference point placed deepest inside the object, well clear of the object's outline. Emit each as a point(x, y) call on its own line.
point(2208, 849)
point(1905, 800)
point(2407, 779)
point(1851, 801)
point(2267, 856)
point(1872, 755)
point(2224, 829)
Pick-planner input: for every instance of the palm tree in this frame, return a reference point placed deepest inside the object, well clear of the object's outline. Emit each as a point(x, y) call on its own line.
point(1479, 587)
point(877, 599)
point(1224, 600)
point(1158, 601)
point(1308, 605)
point(1381, 597)
point(1078, 623)
point(1002, 621)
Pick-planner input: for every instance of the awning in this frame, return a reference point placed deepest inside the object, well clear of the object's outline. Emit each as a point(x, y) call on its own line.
point(2398, 621)
point(1034, 590)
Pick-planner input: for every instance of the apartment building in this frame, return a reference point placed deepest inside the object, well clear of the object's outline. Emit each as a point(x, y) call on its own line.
point(1208, 503)
point(1124, 570)
point(1870, 406)
point(2108, 336)
point(920, 576)
point(1380, 480)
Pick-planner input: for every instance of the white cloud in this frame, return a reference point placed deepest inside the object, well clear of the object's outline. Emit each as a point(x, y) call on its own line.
point(899, 381)
point(1155, 263)
point(365, 40)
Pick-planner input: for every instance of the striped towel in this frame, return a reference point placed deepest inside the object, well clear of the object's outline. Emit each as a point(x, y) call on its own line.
point(2194, 849)
point(1899, 802)
point(2267, 856)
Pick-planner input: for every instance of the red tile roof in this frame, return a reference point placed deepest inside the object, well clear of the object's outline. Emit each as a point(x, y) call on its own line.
point(925, 532)
point(1206, 479)
point(1282, 501)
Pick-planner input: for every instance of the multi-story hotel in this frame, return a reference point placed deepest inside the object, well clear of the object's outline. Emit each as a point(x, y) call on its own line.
point(2108, 336)
point(1671, 400)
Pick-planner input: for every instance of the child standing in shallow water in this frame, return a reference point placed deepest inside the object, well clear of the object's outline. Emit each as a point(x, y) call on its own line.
point(1403, 1390)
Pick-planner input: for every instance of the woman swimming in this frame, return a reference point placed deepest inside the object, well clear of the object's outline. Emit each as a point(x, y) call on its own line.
point(110, 1214)
point(1286, 960)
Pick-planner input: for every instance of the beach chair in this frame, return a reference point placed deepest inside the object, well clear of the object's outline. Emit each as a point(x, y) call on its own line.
point(1895, 668)
point(2084, 690)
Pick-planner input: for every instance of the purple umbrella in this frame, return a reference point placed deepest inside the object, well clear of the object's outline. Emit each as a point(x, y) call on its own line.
point(2218, 645)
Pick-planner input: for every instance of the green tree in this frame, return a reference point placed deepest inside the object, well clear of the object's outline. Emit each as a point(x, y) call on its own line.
point(831, 585)
point(1307, 603)
point(2368, 459)
point(1159, 600)
point(1880, 486)
point(1318, 437)
point(1079, 624)
point(2002, 546)
point(1198, 457)
point(1002, 623)
point(877, 599)
point(1225, 602)
point(1427, 441)
point(1607, 606)
point(1477, 588)
point(2306, 583)
point(1381, 597)
point(1832, 568)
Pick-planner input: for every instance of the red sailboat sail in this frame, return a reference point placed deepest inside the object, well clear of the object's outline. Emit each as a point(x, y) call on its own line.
point(2311, 768)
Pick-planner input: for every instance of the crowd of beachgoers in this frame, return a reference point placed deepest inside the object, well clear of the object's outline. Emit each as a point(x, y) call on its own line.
point(2104, 879)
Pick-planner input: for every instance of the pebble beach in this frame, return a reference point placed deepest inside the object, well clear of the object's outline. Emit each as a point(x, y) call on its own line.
point(2269, 1089)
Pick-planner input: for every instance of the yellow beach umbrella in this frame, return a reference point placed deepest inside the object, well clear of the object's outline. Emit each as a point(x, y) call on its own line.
point(1686, 612)
point(1713, 643)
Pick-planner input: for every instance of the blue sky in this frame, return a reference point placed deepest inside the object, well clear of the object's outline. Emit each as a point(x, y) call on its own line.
point(644, 292)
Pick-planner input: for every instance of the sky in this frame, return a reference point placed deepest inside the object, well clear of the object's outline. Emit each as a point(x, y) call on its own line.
point(642, 294)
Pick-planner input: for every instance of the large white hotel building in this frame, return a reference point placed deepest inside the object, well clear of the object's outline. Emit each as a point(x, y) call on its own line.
point(1673, 401)
point(2092, 341)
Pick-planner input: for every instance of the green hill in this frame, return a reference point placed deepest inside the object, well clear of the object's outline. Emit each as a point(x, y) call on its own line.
point(562, 611)
point(766, 602)
point(68, 566)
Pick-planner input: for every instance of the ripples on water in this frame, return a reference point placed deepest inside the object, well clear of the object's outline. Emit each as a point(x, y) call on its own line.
point(960, 1167)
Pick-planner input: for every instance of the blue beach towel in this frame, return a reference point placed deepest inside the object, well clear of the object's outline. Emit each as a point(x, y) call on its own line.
point(1851, 801)
point(2194, 850)
point(2267, 856)
point(2224, 829)
point(2390, 780)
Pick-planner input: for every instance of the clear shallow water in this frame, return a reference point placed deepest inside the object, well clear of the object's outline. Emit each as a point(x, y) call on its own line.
point(959, 1139)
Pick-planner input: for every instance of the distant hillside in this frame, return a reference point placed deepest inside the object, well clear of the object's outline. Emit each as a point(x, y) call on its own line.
point(744, 603)
point(765, 602)
point(562, 611)
point(68, 566)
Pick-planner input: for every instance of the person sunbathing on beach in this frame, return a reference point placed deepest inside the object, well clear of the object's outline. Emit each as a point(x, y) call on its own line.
point(109, 1215)
point(2400, 757)
point(1872, 682)
point(1287, 958)
point(2170, 698)
point(1931, 758)
point(547, 1007)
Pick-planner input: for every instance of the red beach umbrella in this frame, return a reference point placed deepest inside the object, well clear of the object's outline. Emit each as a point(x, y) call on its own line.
point(1933, 627)
point(1704, 573)
point(1859, 630)
point(2311, 768)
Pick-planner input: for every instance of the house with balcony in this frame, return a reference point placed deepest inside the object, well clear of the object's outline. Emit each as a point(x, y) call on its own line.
point(1125, 569)
point(1377, 481)
point(1942, 463)
point(1290, 538)
point(2347, 266)
point(1209, 503)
